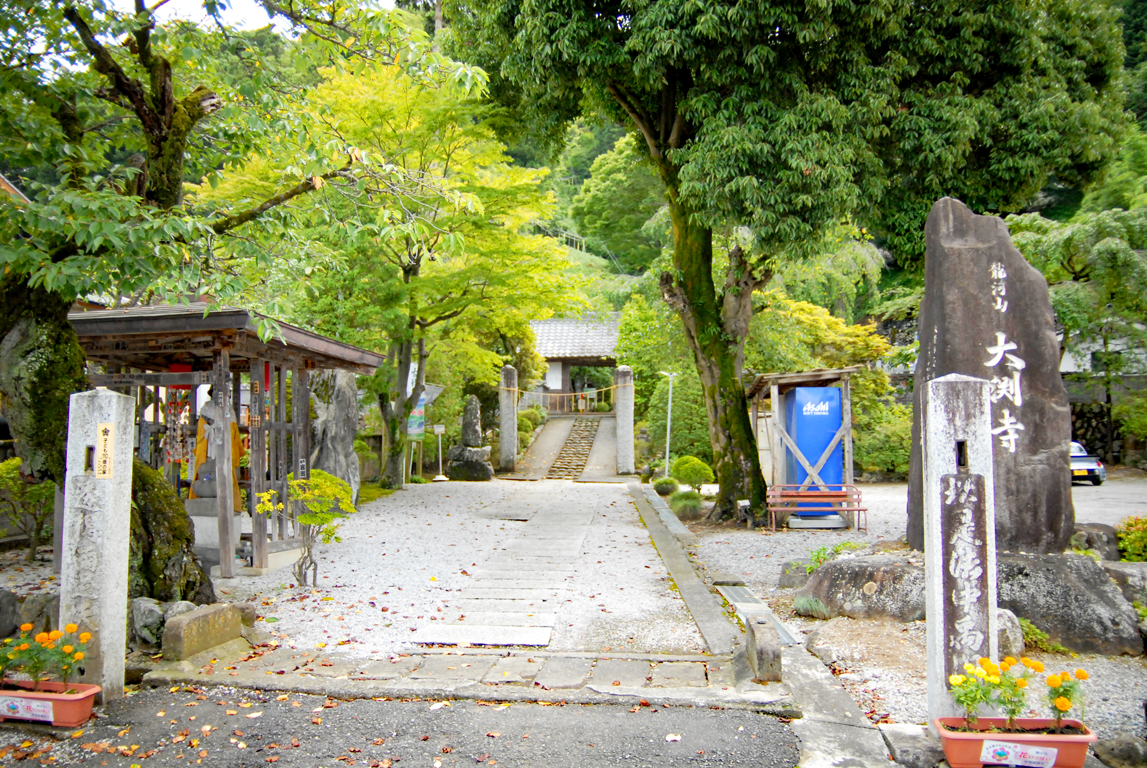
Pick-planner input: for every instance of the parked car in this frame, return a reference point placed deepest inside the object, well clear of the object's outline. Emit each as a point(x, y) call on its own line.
point(1084, 467)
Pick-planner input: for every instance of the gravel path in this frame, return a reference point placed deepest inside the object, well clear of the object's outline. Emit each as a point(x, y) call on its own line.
point(882, 663)
point(402, 557)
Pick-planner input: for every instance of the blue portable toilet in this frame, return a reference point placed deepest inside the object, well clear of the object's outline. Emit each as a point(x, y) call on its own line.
point(813, 416)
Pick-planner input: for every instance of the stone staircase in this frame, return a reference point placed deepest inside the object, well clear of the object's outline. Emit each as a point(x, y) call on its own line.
point(574, 454)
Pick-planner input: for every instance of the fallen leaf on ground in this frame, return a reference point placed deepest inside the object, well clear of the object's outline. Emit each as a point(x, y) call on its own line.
point(253, 715)
point(493, 734)
point(673, 737)
point(317, 720)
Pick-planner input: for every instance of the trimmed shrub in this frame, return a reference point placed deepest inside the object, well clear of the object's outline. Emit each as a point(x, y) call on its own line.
point(28, 506)
point(665, 486)
point(691, 471)
point(686, 504)
point(604, 408)
point(532, 416)
point(525, 426)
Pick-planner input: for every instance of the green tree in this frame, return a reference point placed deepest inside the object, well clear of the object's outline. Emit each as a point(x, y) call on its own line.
point(1096, 266)
point(80, 78)
point(785, 117)
point(446, 267)
point(615, 202)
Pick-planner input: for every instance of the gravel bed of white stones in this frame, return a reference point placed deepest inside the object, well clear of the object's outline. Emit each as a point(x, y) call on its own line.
point(1115, 693)
point(402, 558)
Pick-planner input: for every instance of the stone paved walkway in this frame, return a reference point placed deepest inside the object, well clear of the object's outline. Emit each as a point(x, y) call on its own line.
point(516, 595)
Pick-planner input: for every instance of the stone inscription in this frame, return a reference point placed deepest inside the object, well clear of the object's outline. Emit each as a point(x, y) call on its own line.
point(965, 588)
point(105, 445)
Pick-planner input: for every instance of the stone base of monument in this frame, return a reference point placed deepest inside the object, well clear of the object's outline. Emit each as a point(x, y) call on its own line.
point(204, 514)
point(821, 522)
point(467, 463)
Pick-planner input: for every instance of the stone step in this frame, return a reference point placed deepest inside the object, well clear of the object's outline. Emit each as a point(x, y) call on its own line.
point(455, 634)
point(503, 619)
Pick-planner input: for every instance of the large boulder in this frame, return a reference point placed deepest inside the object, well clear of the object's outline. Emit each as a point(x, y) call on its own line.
point(870, 587)
point(1131, 578)
point(1009, 634)
point(1124, 751)
point(466, 463)
point(1097, 536)
point(986, 313)
point(162, 562)
point(1071, 598)
point(41, 610)
point(335, 399)
point(9, 612)
point(146, 622)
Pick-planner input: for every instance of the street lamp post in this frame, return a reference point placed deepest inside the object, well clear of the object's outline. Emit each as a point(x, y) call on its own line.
point(668, 418)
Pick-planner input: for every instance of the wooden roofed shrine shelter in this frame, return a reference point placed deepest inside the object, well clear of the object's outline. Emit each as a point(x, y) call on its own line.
point(164, 354)
point(767, 397)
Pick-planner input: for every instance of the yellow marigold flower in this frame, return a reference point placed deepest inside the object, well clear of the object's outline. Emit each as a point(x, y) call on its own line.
point(994, 679)
point(67, 649)
point(25, 627)
point(1010, 661)
point(1054, 681)
point(79, 656)
point(969, 668)
point(85, 636)
point(1022, 683)
point(1081, 674)
point(70, 628)
point(41, 638)
point(1062, 703)
point(956, 679)
point(980, 673)
point(55, 634)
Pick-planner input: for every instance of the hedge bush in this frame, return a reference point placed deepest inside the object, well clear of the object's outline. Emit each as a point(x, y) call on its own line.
point(1132, 532)
point(604, 408)
point(665, 486)
point(691, 471)
point(685, 503)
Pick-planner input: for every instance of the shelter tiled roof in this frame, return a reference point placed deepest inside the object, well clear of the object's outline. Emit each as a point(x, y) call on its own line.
point(566, 339)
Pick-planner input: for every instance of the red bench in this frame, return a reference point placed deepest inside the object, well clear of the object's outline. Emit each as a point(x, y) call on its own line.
point(843, 500)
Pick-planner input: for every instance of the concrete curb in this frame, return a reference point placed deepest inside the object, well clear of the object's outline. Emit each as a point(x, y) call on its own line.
point(720, 634)
point(671, 521)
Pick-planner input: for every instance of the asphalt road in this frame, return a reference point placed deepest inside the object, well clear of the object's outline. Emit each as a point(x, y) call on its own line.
point(1123, 495)
point(246, 728)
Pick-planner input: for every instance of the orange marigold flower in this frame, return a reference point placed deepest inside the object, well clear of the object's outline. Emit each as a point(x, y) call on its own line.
point(24, 647)
point(41, 638)
point(25, 627)
point(1081, 674)
point(1037, 667)
point(55, 634)
point(984, 661)
point(67, 649)
point(85, 636)
point(1010, 661)
point(1065, 675)
point(1062, 703)
point(1004, 666)
point(70, 627)
point(1054, 681)
point(1022, 683)
point(79, 656)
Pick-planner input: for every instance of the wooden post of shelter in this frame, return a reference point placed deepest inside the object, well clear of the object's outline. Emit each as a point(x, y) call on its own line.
point(221, 369)
point(258, 462)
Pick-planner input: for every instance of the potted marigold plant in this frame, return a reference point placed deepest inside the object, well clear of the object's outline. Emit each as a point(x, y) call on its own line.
point(36, 672)
point(973, 741)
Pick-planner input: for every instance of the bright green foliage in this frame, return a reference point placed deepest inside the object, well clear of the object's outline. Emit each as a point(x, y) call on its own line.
point(1124, 185)
point(649, 340)
point(45, 655)
point(690, 429)
point(691, 471)
point(685, 503)
point(324, 501)
point(786, 117)
point(1131, 412)
point(1035, 638)
point(615, 202)
point(1096, 265)
point(604, 407)
point(27, 506)
point(1132, 533)
point(665, 486)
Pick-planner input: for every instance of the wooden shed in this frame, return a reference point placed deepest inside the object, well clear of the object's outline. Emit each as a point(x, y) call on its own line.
point(162, 354)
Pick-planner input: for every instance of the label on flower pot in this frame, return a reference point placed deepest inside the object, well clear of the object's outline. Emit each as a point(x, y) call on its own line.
point(25, 709)
point(1006, 753)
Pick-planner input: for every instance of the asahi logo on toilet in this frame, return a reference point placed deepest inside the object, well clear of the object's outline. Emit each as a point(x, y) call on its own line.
point(816, 409)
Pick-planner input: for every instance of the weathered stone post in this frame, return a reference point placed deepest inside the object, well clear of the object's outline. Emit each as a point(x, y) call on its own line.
point(97, 522)
point(623, 408)
point(508, 419)
point(959, 530)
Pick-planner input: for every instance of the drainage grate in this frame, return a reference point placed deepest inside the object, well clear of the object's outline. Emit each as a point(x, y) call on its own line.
point(574, 454)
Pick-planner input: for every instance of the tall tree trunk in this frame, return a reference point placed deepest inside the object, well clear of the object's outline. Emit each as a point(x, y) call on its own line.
point(396, 405)
point(716, 327)
point(41, 366)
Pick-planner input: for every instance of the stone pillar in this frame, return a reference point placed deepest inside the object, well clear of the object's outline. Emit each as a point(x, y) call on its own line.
point(623, 408)
point(97, 522)
point(508, 419)
point(959, 531)
point(57, 529)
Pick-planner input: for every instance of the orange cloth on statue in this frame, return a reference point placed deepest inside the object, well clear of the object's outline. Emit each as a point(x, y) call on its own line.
point(238, 451)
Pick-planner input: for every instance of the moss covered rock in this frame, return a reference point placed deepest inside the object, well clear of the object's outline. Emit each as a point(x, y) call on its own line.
point(162, 562)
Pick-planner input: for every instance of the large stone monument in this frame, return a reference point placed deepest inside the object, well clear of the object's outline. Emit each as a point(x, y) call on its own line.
point(986, 314)
point(97, 528)
point(471, 461)
point(959, 530)
point(335, 399)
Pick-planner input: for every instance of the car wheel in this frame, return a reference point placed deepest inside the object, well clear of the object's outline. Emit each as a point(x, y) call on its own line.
point(1097, 481)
